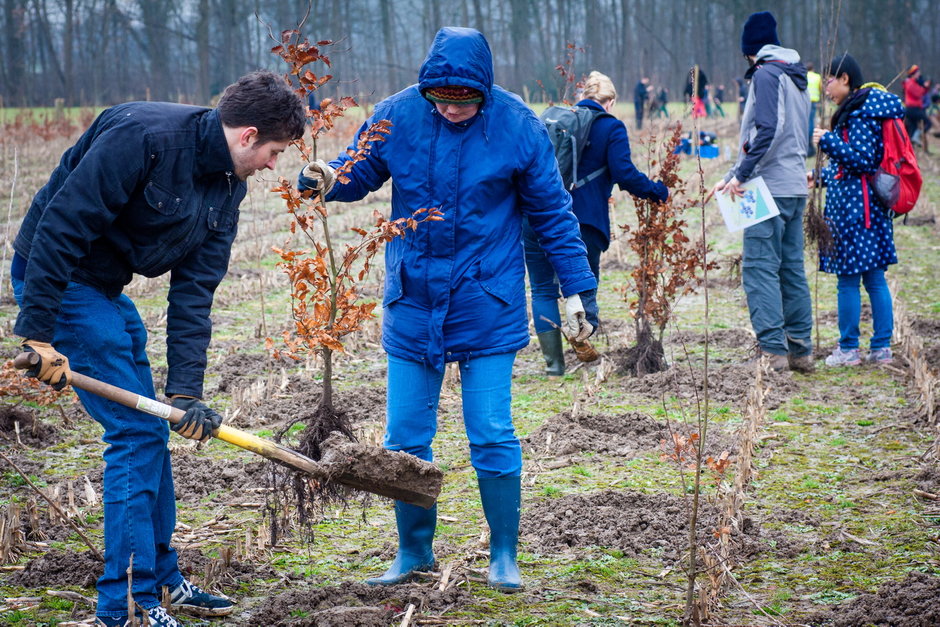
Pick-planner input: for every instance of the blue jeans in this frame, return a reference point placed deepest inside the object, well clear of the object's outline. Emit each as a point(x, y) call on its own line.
point(850, 308)
point(543, 282)
point(775, 281)
point(105, 338)
point(414, 390)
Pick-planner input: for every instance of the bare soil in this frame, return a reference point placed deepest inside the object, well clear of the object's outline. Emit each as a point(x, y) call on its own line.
point(638, 524)
point(910, 602)
point(33, 432)
point(353, 604)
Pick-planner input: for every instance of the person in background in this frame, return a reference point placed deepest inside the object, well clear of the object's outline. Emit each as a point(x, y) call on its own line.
point(696, 91)
point(773, 146)
point(814, 89)
point(641, 94)
point(915, 89)
point(607, 153)
point(742, 95)
point(660, 105)
point(862, 230)
point(455, 289)
point(149, 188)
point(718, 99)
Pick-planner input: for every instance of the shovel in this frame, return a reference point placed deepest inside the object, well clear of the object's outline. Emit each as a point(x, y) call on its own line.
point(393, 474)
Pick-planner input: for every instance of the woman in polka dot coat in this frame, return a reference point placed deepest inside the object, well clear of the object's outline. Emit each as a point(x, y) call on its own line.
point(861, 226)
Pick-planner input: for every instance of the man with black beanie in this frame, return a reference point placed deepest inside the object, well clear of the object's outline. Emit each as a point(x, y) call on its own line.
point(773, 145)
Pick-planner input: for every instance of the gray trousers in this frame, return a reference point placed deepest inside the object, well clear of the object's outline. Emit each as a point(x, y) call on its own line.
point(775, 281)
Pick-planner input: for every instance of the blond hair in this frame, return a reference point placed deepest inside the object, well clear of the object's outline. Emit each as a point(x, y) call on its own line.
point(599, 87)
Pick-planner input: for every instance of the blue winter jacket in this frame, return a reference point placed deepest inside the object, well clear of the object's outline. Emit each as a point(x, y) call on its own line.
point(147, 189)
point(858, 246)
point(455, 289)
point(609, 146)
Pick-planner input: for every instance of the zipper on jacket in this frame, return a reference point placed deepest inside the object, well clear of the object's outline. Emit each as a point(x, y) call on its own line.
point(228, 177)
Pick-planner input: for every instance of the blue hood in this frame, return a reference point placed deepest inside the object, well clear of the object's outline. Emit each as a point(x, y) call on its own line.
point(458, 56)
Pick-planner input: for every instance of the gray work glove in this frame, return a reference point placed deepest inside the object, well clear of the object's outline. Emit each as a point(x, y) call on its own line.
point(199, 421)
point(318, 176)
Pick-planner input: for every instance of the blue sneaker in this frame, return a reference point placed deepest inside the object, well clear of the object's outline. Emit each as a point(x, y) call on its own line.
point(157, 616)
point(188, 598)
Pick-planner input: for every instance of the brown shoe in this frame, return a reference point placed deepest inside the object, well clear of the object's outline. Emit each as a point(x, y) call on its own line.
point(805, 363)
point(777, 363)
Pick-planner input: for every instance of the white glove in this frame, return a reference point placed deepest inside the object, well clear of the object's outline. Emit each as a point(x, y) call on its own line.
point(577, 327)
point(321, 176)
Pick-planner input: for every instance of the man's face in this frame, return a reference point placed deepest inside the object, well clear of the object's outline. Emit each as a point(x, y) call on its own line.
point(457, 113)
point(255, 156)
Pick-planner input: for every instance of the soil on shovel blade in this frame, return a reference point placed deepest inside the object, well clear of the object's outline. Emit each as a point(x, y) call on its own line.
point(353, 604)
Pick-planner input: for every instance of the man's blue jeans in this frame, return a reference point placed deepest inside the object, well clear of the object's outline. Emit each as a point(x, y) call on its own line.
point(775, 281)
point(543, 282)
point(105, 338)
point(414, 390)
point(850, 308)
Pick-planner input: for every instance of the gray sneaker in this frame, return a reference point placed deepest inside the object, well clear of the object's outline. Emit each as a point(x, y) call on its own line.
point(880, 356)
point(840, 357)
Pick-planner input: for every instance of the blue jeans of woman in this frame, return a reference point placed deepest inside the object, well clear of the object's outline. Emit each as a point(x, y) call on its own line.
point(105, 338)
point(543, 282)
point(850, 308)
point(414, 390)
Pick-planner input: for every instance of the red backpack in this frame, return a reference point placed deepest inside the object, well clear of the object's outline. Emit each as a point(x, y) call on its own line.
point(897, 182)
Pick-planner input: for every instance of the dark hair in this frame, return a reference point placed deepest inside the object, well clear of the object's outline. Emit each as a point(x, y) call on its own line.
point(266, 101)
point(846, 64)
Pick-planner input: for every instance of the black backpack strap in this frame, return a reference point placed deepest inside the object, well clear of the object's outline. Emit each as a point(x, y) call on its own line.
point(596, 173)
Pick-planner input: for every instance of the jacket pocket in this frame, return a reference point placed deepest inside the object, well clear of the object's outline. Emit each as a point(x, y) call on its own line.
point(393, 286)
point(162, 200)
point(222, 220)
point(500, 284)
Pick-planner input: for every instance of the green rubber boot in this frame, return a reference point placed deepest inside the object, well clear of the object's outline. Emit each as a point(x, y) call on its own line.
point(553, 349)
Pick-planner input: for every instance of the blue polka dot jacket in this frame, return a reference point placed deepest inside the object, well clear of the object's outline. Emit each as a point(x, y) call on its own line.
point(863, 240)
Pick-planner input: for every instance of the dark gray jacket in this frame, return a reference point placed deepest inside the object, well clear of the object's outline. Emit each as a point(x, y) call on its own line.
point(775, 124)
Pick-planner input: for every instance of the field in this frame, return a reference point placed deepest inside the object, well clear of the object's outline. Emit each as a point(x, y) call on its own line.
point(837, 522)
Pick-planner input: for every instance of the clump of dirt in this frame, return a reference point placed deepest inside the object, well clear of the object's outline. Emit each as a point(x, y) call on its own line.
point(32, 431)
point(60, 568)
point(353, 604)
point(928, 479)
point(911, 602)
point(195, 476)
point(634, 523)
point(723, 338)
point(624, 435)
point(194, 562)
point(927, 328)
point(727, 384)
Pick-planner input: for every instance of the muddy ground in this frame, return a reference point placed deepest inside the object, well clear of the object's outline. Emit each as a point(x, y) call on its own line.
point(831, 531)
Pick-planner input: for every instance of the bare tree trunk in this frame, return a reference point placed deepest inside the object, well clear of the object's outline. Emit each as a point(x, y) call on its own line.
point(202, 49)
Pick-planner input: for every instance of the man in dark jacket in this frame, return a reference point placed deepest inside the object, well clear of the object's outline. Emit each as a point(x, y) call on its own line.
point(774, 138)
point(149, 188)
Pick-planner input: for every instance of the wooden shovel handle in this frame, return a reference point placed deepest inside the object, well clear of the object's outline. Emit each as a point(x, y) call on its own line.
point(171, 414)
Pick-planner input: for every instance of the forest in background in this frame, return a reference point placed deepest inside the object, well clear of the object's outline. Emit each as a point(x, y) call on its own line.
point(101, 52)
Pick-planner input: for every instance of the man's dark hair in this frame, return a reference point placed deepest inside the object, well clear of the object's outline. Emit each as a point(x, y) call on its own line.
point(264, 100)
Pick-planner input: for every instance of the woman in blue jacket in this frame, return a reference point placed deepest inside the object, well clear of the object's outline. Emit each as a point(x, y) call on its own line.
point(861, 227)
point(606, 156)
point(454, 290)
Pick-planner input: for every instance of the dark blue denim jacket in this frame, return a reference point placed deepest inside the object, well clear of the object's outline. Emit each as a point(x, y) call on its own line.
point(149, 188)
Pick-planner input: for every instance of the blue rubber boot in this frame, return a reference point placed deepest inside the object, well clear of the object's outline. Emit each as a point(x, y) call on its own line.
point(502, 497)
point(415, 539)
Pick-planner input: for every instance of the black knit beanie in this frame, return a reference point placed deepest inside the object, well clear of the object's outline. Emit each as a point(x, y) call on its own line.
point(760, 29)
point(847, 65)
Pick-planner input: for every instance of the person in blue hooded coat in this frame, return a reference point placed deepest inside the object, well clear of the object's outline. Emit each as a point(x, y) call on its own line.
point(862, 232)
point(454, 289)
